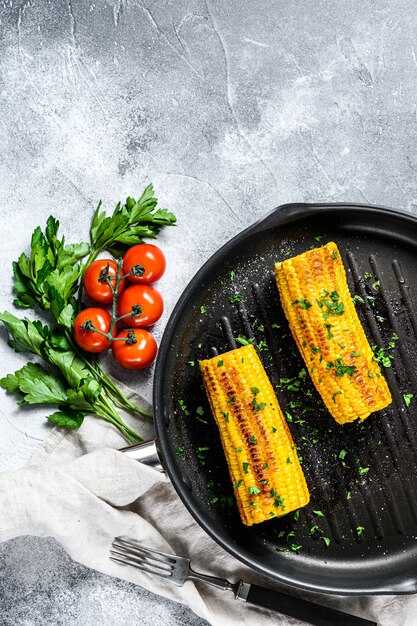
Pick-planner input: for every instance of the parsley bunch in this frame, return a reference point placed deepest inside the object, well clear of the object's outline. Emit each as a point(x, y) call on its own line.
point(50, 279)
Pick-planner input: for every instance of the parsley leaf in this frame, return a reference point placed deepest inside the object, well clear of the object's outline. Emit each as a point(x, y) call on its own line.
point(129, 223)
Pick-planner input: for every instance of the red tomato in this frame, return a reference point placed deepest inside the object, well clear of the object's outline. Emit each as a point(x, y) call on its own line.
point(94, 284)
point(146, 300)
point(149, 262)
point(138, 351)
point(84, 334)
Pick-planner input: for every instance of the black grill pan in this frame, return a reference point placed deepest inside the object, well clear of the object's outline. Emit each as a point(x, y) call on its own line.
point(362, 477)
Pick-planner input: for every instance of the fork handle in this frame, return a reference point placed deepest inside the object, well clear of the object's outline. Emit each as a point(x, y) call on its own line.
point(220, 583)
point(309, 612)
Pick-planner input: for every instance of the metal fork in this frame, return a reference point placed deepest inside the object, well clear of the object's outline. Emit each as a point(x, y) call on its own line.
point(128, 551)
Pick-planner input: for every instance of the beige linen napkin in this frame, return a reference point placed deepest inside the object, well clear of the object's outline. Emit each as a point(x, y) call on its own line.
point(80, 490)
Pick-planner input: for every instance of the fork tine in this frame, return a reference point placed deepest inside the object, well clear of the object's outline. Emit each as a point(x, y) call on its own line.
point(136, 545)
point(126, 561)
point(142, 558)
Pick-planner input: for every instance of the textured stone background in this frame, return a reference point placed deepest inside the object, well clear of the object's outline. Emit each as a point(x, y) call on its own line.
point(230, 108)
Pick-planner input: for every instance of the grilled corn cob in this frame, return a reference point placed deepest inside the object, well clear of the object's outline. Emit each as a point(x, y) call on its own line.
point(324, 323)
point(262, 459)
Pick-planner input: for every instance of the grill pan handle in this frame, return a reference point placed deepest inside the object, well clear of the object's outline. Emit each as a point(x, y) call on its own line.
point(146, 453)
point(309, 612)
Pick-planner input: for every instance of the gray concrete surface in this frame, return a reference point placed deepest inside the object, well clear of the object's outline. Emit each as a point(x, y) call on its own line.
point(230, 108)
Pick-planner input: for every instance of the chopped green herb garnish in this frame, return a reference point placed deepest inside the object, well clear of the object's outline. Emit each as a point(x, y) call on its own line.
point(355, 354)
point(253, 440)
point(318, 238)
point(357, 298)
point(326, 541)
point(210, 484)
point(258, 406)
point(244, 341)
point(183, 407)
point(370, 375)
point(367, 275)
point(279, 501)
point(238, 449)
point(334, 306)
point(262, 345)
point(305, 304)
point(232, 275)
point(407, 398)
point(253, 503)
point(288, 460)
point(363, 470)
point(289, 417)
point(192, 363)
point(295, 547)
point(349, 495)
point(360, 530)
point(254, 490)
point(220, 363)
point(342, 454)
point(231, 400)
point(179, 451)
point(203, 309)
point(275, 325)
point(199, 410)
point(372, 301)
point(245, 467)
point(319, 513)
point(226, 417)
point(336, 393)
point(341, 368)
point(296, 516)
point(199, 345)
point(382, 357)
point(274, 430)
point(265, 465)
point(334, 255)
point(254, 390)
point(236, 298)
point(329, 333)
point(376, 285)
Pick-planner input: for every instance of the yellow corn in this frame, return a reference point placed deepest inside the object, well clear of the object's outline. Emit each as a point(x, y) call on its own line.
point(324, 323)
point(262, 459)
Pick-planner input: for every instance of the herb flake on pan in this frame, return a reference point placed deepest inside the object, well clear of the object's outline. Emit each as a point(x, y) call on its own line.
point(236, 298)
point(243, 341)
point(407, 398)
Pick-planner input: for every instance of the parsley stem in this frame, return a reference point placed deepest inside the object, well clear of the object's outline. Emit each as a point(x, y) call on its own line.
point(109, 414)
point(116, 394)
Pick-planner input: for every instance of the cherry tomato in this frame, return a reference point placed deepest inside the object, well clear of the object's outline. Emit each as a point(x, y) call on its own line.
point(138, 351)
point(88, 339)
point(144, 300)
point(94, 284)
point(149, 263)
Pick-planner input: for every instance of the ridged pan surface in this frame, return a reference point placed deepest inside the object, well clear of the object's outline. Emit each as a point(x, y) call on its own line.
point(358, 535)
